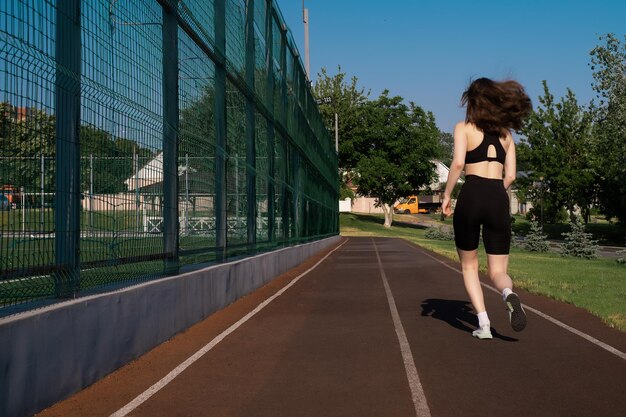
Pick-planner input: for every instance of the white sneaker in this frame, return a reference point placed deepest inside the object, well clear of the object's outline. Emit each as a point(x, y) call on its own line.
point(481, 333)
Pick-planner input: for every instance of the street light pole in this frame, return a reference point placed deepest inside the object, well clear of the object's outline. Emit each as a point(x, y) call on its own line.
point(305, 19)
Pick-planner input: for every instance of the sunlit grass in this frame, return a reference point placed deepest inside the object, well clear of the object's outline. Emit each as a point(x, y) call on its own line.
point(597, 285)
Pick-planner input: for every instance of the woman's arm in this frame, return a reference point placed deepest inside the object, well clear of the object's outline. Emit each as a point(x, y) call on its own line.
point(457, 165)
point(510, 165)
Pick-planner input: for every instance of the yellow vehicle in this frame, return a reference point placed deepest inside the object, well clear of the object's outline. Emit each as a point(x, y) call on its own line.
point(409, 205)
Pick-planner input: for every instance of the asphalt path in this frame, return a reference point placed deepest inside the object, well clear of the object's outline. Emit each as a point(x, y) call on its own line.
point(372, 327)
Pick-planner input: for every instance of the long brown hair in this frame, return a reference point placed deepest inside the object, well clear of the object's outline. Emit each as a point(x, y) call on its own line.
point(496, 107)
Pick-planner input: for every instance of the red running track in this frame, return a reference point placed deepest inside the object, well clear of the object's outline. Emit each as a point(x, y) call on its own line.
point(376, 327)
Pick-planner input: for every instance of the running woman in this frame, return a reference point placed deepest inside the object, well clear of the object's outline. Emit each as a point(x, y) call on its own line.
point(484, 148)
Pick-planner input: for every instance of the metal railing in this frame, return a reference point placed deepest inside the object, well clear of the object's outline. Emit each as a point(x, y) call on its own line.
point(139, 137)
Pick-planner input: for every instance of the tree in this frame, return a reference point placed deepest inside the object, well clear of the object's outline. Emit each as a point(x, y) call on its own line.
point(400, 140)
point(197, 142)
point(608, 61)
point(346, 99)
point(446, 145)
point(557, 153)
point(25, 139)
point(535, 239)
point(30, 136)
point(111, 158)
point(577, 243)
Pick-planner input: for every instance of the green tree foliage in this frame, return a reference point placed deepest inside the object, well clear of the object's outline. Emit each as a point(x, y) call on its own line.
point(197, 140)
point(557, 152)
point(6, 120)
point(346, 99)
point(113, 160)
point(345, 191)
point(535, 239)
point(24, 138)
point(446, 144)
point(578, 243)
point(27, 137)
point(608, 63)
point(197, 123)
point(400, 140)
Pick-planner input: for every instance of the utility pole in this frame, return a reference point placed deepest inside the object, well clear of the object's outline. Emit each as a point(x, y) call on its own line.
point(305, 19)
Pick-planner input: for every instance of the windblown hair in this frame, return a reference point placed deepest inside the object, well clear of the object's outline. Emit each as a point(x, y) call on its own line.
point(496, 107)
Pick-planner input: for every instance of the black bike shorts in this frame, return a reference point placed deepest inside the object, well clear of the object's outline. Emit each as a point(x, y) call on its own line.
point(483, 202)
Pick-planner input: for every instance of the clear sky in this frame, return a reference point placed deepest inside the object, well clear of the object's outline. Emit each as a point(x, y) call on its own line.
point(428, 50)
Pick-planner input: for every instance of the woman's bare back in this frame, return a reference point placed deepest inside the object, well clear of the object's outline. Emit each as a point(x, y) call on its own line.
point(485, 169)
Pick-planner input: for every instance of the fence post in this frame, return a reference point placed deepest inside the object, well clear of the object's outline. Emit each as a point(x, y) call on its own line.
point(269, 101)
point(67, 109)
point(170, 140)
point(286, 214)
point(220, 129)
point(250, 130)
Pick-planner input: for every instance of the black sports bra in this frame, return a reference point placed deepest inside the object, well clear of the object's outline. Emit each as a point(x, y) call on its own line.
point(479, 154)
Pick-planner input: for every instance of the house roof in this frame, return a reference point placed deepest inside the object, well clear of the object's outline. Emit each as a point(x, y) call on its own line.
point(441, 175)
point(151, 174)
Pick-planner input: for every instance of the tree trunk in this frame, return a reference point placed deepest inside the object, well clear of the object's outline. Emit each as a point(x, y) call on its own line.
point(388, 214)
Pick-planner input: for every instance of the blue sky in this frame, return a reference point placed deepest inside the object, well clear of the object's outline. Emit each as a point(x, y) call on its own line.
point(428, 50)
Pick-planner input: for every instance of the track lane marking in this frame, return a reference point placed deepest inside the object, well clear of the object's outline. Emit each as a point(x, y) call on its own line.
point(417, 392)
point(143, 397)
point(551, 319)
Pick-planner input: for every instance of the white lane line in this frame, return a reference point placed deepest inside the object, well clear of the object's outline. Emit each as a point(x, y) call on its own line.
point(140, 399)
point(417, 392)
point(551, 319)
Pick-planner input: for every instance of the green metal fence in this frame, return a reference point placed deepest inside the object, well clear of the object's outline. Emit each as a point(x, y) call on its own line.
point(142, 137)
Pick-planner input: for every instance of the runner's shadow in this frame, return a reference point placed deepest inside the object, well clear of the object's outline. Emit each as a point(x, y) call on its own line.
point(458, 314)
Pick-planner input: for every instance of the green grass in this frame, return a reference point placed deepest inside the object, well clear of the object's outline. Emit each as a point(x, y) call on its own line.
point(597, 285)
point(38, 220)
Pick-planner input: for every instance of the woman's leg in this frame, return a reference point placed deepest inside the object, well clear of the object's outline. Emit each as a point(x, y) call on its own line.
point(498, 267)
point(469, 264)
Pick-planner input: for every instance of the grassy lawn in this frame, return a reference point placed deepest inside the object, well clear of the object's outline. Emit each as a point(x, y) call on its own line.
point(598, 285)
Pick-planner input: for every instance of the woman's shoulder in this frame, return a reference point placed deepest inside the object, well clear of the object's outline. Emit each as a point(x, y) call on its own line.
point(464, 126)
point(468, 129)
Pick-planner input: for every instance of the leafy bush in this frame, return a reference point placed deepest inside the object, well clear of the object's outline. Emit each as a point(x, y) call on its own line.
point(535, 239)
point(578, 243)
point(439, 233)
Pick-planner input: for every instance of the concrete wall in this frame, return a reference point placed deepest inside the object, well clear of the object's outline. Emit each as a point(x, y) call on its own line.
point(345, 206)
point(50, 353)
